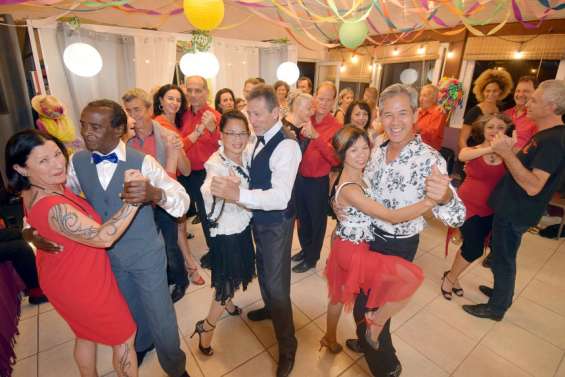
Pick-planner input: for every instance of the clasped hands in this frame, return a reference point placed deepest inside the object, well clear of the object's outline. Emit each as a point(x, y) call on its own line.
point(226, 188)
point(138, 189)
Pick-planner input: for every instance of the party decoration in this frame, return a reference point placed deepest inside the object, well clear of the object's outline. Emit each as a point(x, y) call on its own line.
point(204, 14)
point(203, 64)
point(450, 94)
point(82, 59)
point(353, 34)
point(288, 72)
point(409, 76)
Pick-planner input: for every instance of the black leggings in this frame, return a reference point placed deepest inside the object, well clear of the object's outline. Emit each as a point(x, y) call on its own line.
point(474, 231)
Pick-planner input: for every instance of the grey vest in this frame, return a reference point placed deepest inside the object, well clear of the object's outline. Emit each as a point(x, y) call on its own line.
point(141, 238)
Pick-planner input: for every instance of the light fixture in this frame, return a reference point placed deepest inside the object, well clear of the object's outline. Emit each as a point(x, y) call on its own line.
point(518, 54)
point(354, 59)
point(421, 50)
point(533, 70)
point(203, 64)
point(342, 68)
point(82, 59)
point(450, 54)
point(499, 68)
point(288, 72)
point(395, 52)
point(371, 67)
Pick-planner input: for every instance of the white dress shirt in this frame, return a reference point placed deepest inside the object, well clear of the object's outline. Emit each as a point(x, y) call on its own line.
point(284, 165)
point(177, 200)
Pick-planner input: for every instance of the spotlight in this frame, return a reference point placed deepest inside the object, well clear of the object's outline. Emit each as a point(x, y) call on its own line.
point(395, 52)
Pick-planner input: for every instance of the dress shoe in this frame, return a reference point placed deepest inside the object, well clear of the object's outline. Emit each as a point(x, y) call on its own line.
point(354, 345)
point(190, 235)
point(303, 267)
point(396, 372)
point(487, 262)
point(141, 354)
point(185, 374)
point(196, 220)
point(178, 292)
point(259, 315)
point(483, 311)
point(286, 363)
point(205, 261)
point(298, 257)
point(487, 291)
point(37, 300)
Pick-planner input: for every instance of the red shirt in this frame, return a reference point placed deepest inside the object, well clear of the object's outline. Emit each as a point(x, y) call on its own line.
point(525, 127)
point(319, 156)
point(163, 121)
point(481, 179)
point(431, 124)
point(200, 151)
point(146, 145)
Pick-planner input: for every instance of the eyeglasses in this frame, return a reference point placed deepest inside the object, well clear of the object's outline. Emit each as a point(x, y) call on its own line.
point(236, 134)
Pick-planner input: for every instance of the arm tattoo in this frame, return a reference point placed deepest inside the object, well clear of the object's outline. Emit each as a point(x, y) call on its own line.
point(125, 363)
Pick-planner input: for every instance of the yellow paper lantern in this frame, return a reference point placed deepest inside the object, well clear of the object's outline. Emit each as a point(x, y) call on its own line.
point(204, 14)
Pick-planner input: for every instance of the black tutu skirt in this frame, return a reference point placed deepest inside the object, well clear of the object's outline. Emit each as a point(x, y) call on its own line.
point(232, 261)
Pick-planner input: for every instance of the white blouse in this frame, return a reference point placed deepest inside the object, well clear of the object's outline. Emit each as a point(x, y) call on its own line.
point(230, 217)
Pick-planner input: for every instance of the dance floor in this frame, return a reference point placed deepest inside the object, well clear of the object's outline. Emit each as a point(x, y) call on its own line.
point(433, 337)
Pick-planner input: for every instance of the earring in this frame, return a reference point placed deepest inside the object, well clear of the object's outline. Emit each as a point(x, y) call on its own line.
point(160, 107)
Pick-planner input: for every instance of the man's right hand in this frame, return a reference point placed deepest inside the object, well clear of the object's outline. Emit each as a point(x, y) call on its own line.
point(31, 235)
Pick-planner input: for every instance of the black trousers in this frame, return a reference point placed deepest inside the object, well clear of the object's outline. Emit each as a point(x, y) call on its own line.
point(192, 184)
point(272, 248)
point(474, 231)
point(312, 212)
point(21, 255)
point(383, 362)
point(167, 225)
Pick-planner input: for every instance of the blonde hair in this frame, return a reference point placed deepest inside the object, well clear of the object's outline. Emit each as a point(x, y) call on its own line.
point(137, 93)
point(343, 93)
point(327, 84)
point(498, 76)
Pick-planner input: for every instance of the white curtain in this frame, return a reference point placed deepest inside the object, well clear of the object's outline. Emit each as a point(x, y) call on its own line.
point(238, 62)
point(155, 58)
point(271, 57)
point(117, 74)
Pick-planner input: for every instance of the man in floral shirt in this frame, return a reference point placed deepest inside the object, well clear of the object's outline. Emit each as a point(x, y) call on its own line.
point(401, 172)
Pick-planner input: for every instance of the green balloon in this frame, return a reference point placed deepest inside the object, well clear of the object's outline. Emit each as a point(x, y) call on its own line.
point(353, 34)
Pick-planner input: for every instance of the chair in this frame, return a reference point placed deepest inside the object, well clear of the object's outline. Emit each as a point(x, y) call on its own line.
point(559, 202)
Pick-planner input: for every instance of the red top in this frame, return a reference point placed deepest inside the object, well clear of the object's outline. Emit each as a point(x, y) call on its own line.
point(163, 121)
point(146, 146)
point(525, 127)
point(481, 179)
point(431, 124)
point(200, 151)
point(79, 280)
point(319, 156)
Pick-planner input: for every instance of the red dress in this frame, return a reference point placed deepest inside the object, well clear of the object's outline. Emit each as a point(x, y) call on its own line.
point(79, 281)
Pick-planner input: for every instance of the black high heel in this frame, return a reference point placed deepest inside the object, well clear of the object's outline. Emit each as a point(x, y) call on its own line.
point(446, 294)
point(236, 310)
point(199, 329)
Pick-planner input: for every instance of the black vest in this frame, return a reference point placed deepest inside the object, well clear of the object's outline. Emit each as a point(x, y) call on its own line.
point(260, 179)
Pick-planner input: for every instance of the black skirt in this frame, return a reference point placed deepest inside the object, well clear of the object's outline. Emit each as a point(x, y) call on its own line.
point(232, 259)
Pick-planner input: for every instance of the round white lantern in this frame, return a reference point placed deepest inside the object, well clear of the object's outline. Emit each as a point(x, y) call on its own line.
point(288, 72)
point(203, 64)
point(82, 59)
point(409, 76)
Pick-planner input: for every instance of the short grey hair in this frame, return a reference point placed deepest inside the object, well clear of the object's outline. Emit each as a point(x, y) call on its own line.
point(296, 96)
point(554, 92)
point(396, 90)
point(433, 87)
point(204, 82)
point(139, 94)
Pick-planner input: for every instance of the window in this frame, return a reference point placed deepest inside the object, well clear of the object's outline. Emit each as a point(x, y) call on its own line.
point(417, 74)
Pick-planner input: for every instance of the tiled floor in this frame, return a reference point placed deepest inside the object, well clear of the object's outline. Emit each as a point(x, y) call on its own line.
point(434, 337)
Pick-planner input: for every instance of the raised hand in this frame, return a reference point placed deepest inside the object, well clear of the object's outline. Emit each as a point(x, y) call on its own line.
point(209, 120)
point(502, 144)
point(437, 186)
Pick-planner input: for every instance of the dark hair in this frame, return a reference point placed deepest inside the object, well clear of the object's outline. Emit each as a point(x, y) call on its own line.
point(307, 79)
point(119, 117)
point(281, 83)
point(233, 114)
point(260, 79)
point(238, 100)
point(478, 126)
point(18, 150)
point(363, 105)
point(217, 104)
point(529, 78)
point(267, 93)
point(345, 138)
point(158, 109)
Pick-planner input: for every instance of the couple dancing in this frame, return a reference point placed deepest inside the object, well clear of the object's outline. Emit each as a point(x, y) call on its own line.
point(400, 173)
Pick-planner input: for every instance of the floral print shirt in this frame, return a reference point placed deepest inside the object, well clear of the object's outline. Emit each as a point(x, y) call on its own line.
point(402, 182)
point(355, 226)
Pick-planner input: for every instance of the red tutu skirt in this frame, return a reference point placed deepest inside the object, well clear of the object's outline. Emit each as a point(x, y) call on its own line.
point(385, 278)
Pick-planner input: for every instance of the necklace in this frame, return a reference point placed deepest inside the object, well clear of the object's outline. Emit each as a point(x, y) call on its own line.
point(64, 196)
point(491, 157)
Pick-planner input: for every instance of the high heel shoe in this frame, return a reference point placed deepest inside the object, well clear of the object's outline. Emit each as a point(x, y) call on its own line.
point(199, 329)
point(192, 272)
point(236, 310)
point(333, 347)
point(446, 294)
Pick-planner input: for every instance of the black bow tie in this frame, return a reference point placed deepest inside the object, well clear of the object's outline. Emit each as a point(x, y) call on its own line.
point(261, 140)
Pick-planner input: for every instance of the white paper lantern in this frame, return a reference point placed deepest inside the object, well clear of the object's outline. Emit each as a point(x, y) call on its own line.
point(288, 72)
point(203, 64)
point(82, 59)
point(409, 76)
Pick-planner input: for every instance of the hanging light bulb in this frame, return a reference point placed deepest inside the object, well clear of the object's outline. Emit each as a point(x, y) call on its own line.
point(395, 52)
point(450, 54)
point(354, 59)
point(518, 54)
point(342, 68)
point(421, 50)
point(533, 70)
point(82, 59)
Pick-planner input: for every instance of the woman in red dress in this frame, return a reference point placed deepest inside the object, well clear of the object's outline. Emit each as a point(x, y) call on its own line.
point(78, 280)
point(389, 280)
point(483, 169)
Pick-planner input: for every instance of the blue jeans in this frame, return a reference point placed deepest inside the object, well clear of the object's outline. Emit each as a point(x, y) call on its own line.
point(506, 239)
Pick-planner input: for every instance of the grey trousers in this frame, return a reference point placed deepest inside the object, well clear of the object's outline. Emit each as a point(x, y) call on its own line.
point(273, 243)
point(144, 286)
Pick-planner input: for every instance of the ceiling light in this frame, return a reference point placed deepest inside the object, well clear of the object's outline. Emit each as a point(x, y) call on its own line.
point(421, 50)
point(450, 54)
point(354, 59)
point(395, 52)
